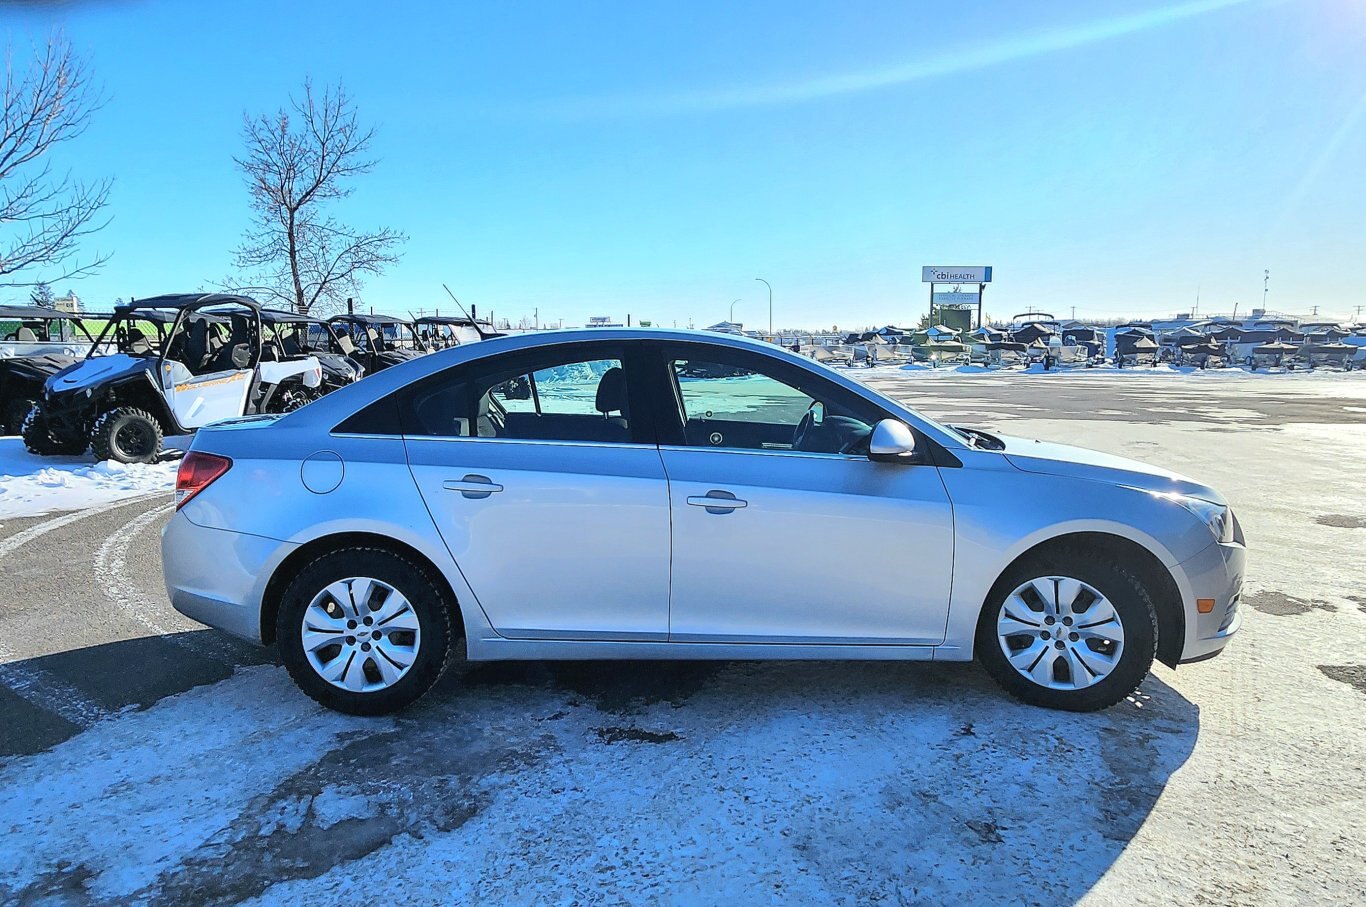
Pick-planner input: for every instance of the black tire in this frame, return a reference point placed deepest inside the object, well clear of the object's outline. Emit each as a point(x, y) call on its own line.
point(289, 399)
point(1131, 603)
point(38, 438)
point(435, 644)
point(16, 411)
point(126, 434)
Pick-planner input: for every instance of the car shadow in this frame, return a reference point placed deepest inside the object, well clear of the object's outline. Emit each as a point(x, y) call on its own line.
point(858, 781)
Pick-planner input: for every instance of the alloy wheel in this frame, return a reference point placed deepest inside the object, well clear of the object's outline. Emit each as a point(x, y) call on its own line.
point(1060, 633)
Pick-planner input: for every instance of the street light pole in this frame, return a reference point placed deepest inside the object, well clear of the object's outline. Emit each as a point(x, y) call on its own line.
point(770, 303)
point(732, 311)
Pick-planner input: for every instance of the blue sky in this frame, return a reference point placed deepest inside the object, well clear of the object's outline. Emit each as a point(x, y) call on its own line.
point(654, 158)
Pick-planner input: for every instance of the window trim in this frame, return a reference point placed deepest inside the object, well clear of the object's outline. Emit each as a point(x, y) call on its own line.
point(671, 411)
point(628, 352)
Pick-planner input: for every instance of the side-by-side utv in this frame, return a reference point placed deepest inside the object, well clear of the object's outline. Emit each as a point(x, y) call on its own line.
point(441, 332)
point(35, 343)
point(379, 341)
point(164, 365)
point(290, 336)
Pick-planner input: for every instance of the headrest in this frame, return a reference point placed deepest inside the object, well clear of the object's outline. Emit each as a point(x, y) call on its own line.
point(612, 391)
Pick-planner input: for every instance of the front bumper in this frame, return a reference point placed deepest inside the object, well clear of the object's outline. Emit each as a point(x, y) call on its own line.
point(219, 577)
point(1214, 574)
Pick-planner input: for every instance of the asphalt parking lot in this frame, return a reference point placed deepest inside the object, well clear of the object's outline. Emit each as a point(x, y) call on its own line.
point(147, 759)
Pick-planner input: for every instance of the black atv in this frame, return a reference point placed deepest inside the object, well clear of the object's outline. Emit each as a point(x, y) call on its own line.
point(441, 332)
point(290, 336)
point(164, 365)
point(35, 344)
point(379, 341)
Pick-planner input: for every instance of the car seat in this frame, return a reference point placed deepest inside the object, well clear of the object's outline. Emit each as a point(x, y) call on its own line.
point(611, 397)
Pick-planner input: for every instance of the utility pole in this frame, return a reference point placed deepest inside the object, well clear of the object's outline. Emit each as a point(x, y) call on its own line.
point(1266, 286)
point(770, 303)
point(1314, 311)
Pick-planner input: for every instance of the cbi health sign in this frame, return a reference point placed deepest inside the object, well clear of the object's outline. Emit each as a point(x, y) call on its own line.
point(955, 275)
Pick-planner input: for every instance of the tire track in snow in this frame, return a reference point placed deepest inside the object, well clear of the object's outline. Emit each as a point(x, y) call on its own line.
point(116, 582)
point(42, 688)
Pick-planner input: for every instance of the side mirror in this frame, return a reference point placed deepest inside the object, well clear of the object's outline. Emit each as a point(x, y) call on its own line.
point(892, 442)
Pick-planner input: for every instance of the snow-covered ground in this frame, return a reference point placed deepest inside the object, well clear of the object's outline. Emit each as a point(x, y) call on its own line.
point(1235, 781)
point(33, 486)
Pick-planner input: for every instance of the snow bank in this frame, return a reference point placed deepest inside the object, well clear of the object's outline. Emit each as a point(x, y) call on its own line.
point(33, 486)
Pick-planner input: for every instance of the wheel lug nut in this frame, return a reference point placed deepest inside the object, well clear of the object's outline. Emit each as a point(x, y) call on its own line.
point(350, 625)
point(1067, 620)
point(1058, 644)
point(365, 646)
point(1046, 635)
point(1074, 636)
point(1049, 621)
point(378, 635)
point(369, 621)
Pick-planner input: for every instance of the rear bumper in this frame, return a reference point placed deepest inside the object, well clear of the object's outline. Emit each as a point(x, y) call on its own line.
point(218, 577)
point(1215, 573)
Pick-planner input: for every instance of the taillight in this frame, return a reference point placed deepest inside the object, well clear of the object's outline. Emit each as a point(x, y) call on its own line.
point(197, 472)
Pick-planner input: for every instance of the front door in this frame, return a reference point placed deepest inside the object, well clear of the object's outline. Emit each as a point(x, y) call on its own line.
point(548, 492)
point(783, 529)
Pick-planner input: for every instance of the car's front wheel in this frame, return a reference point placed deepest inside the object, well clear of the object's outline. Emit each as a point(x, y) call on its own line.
point(364, 631)
point(1070, 630)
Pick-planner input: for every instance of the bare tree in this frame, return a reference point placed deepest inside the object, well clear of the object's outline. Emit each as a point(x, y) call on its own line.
point(43, 217)
point(297, 161)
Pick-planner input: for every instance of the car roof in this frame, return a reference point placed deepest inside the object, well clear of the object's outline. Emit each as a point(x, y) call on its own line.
point(34, 313)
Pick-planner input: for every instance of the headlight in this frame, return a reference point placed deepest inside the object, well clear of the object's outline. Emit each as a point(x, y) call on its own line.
point(1217, 517)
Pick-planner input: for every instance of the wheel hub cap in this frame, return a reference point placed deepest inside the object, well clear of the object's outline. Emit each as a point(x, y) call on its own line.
point(1060, 633)
point(361, 634)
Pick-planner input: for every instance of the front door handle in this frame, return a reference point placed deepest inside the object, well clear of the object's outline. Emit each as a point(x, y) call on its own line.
point(472, 486)
point(717, 501)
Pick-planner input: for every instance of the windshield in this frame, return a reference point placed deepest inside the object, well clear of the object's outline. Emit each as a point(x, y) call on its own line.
point(137, 333)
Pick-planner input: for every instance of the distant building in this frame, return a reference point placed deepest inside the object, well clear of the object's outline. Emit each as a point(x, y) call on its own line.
point(70, 303)
point(603, 321)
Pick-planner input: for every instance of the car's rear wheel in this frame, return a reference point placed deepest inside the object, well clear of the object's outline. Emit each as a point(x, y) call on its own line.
point(364, 631)
point(126, 434)
point(1069, 630)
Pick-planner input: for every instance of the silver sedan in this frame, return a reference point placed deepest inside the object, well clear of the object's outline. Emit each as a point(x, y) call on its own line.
point(643, 494)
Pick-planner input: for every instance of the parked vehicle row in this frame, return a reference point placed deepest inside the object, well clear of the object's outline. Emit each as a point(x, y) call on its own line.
point(168, 365)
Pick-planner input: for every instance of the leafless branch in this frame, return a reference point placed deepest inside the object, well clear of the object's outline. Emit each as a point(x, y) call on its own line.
point(297, 160)
point(44, 218)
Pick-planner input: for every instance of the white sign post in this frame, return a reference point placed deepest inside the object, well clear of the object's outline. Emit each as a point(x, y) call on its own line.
point(978, 274)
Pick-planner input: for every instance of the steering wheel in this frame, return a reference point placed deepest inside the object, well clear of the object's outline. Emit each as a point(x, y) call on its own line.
point(808, 421)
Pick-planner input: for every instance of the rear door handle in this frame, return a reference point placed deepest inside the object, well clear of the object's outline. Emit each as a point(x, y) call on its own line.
point(472, 486)
point(717, 501)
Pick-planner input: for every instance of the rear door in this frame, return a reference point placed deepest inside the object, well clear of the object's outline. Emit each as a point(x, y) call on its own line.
point(541, 473)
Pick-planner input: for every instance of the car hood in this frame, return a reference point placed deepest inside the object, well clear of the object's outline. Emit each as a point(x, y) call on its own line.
point(89, 373)
point(1077, 462)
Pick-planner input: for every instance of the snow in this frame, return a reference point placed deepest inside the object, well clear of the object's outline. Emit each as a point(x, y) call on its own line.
point(1233, 781)
point(32, 486)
